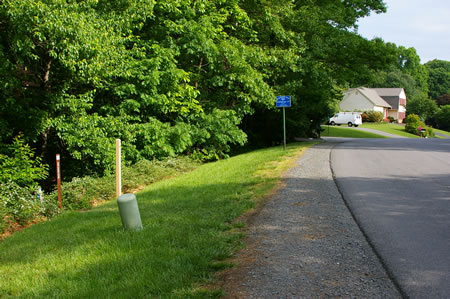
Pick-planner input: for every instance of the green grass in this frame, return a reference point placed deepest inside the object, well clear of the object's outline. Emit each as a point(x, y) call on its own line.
point(442, 132)
point(389, 128)
point(347, 132)
point(189, 232)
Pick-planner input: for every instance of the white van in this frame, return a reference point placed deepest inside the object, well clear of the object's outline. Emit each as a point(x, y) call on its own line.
point(349, 118)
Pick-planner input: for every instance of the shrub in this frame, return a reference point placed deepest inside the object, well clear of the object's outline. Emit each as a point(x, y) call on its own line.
point(374, 116)
point(18, 164)
point(414, 125)
point(3, 216)
point(80, 193)
point(391, 119)
point(364, 117)
point(19, 203)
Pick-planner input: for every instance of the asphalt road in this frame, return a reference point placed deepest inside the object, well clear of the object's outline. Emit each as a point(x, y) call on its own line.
point(399, 192)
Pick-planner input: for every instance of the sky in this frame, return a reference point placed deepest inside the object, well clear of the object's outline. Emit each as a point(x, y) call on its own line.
point(422, 24)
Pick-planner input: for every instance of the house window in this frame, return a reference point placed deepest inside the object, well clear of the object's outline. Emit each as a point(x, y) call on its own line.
point(403, 102)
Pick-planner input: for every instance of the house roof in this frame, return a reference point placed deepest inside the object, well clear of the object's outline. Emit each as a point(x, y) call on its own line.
point(390, 95)
point(392, 100)
point(373, 96)
point(388, 92)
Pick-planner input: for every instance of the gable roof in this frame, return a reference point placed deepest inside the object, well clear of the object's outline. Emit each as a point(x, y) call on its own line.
point(373, 96)
point(388, 92)
point(390, 95)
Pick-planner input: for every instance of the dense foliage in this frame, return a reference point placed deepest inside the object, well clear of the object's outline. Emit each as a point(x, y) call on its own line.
point(439, 78)
point(180, 77)
point(443, 118)
point(414, 125)
point(173, 77)
point(18, 164)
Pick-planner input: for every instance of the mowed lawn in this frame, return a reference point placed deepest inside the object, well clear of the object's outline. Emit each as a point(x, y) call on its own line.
point(189, 232)
point(331, 131)
point(397, 129)
point(389, 128)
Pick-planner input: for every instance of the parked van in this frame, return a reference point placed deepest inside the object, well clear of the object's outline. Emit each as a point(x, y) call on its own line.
point(349, 118)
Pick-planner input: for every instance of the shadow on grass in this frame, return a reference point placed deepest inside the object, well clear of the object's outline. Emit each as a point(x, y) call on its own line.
point(87, 254)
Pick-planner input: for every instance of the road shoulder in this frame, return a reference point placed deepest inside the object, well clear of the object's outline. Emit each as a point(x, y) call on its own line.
point(304, 243)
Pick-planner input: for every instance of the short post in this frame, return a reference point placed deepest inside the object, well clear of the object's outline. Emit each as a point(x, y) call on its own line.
point(118, 169)
point(40, 195)
point(129, 212)
point(58, 179)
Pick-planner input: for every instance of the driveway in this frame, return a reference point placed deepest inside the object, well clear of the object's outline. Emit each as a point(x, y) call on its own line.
point(399, 192)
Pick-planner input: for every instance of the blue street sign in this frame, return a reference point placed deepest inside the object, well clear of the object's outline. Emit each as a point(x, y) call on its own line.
point(283, 101)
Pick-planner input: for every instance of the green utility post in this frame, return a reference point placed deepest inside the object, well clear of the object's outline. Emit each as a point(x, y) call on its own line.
point(284, 129)
point(129, 212)
point(282, 102)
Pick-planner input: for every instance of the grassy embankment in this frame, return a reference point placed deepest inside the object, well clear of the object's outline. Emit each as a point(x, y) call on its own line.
point(330, 131)
point(442, 132)
point(397, 129)
point(389, 128)
point(189, 231)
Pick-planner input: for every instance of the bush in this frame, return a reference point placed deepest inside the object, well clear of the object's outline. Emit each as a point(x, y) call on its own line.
point(19, 203)
point(414, 125)
point(81, 193)
point(3, 216)
point(391, 119)
point(374, 116)
point(18, 164)
point(364, 117)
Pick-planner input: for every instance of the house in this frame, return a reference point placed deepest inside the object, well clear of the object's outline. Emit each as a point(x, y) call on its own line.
point(395, 97)
point(389, 101)
point(364, 99)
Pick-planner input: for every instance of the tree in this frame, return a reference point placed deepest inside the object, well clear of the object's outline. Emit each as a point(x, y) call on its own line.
point(174, 77)
point(439, 78)
point(443, 118)
point(423, 106)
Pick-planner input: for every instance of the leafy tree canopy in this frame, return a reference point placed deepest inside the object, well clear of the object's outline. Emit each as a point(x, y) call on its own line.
point(439, 78)
point(176, 76)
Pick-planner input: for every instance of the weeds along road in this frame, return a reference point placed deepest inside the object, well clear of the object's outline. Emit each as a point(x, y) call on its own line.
point(399, 192)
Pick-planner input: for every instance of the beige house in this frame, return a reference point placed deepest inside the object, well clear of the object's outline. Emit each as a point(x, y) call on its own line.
point(396, 97)
point(389, 101)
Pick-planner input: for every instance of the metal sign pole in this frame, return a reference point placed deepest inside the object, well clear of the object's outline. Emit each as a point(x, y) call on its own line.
point(284, 129)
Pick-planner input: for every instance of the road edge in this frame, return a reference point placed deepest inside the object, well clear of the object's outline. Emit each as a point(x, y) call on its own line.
point(369, 242)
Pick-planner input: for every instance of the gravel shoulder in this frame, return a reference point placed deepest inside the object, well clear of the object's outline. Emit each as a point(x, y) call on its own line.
point(304, 243)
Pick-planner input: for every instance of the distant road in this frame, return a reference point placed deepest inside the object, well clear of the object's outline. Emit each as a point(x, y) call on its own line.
point(399, 192)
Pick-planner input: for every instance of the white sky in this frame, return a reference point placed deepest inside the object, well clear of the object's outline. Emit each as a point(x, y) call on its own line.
point(422, 24)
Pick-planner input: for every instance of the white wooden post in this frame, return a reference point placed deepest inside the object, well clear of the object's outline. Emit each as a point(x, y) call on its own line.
point(118, 169)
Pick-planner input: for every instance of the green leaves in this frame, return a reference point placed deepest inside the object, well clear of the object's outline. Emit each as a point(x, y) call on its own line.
point(18, 164)
point(171, 77)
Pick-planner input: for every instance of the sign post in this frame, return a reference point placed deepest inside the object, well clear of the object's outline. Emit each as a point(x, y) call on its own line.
point(58, 179)
point(283, 102)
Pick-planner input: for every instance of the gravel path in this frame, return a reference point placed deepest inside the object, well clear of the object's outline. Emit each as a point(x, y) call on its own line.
point(304, 243)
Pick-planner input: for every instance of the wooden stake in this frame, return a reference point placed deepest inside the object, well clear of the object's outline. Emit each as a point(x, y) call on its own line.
point(58, 179)
point(118, 169)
